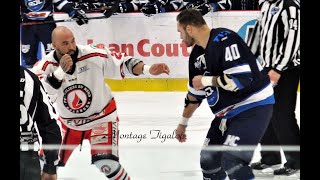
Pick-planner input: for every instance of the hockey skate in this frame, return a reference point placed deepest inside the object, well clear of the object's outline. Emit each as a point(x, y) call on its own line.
point(262, 170)
point(287, 173)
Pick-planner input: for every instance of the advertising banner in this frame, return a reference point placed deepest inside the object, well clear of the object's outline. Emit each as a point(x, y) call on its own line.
point(153, 39)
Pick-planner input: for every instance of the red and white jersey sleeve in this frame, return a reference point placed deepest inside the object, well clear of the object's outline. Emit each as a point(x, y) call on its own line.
point(84, 99)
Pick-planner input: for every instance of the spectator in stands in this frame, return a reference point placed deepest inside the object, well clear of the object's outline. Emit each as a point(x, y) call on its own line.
point(161, 6)
point(102, 5)
point(34, 28)
point(205, 6)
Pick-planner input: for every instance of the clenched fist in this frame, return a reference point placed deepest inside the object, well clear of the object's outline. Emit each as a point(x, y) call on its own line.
point(181, 133)
point(159, 68)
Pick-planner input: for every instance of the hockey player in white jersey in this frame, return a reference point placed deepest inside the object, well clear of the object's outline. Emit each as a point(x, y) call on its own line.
point(74, 77)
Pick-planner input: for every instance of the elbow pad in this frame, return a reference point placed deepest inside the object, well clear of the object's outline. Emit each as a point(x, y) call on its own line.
point(53, 81)
point(131, 63)
point(187, 101)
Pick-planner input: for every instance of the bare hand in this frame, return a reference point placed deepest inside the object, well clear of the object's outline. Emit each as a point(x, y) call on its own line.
point(159, 68)
point(274, 77)
point(181, 133)
point(66, 62)
point(196, 82)
point(46, 176)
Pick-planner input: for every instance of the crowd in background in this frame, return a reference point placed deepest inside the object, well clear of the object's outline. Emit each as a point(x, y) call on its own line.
point(275, 39)
point(153, 7)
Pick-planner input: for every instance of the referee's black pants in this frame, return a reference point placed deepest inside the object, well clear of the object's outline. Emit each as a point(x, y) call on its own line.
point(283, 128)
point(29, 165)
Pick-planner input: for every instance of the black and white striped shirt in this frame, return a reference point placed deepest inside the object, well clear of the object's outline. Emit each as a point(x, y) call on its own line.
point(37, 115)
point(276, 35)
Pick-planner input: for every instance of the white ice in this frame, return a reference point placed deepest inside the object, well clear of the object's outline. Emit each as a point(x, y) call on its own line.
point(144, 114)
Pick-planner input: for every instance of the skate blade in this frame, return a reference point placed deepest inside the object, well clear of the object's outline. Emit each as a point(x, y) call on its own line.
point(268, 172)
point(264, 174)
point(291, 177)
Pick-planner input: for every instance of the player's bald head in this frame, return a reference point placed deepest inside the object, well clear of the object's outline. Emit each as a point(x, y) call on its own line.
point(60, 32)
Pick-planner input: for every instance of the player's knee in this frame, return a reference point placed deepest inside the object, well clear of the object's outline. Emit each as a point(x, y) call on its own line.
point(210, 162)
point(210, 159)
point(236, 165)
point(109, 165)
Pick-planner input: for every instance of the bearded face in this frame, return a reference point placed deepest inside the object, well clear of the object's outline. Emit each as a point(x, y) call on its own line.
point(188, 40)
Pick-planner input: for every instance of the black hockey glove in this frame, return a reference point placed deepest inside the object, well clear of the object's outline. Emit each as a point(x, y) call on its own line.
point(202, 8)
point(87, 7)
point(122, 8)
point(150, 9)
point(81, 17)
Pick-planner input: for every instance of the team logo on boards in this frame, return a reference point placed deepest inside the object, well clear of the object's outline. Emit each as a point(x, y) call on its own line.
point(77, 98)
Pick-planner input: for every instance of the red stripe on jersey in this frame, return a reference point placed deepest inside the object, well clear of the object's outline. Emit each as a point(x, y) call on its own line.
point(120, 175)
point(92, 55)
point(45, 65)
point(110, 132)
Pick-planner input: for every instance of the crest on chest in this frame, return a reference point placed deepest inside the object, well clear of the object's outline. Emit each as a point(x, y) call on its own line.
point(200, 62)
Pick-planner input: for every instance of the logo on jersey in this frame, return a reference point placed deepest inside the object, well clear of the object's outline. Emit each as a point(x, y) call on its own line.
point(34, 5)
point(231, 140)
point(221, 36)
point(83, 69)
point(212, 94)
point(77, 98)
point(274, 10)
point(106, 169)
point(200, 62)
point(25, 48)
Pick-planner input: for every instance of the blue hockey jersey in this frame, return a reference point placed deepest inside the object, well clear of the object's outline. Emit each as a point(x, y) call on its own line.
point(39, 10)
point(227, 53)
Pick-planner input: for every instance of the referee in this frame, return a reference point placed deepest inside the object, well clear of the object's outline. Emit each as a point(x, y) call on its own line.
point(276, 39)
point(36, 115)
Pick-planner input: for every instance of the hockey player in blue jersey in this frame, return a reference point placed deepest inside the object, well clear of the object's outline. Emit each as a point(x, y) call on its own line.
point(37, 12)
point(223, 71)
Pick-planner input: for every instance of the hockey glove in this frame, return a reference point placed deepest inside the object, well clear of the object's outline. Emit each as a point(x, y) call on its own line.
point(80, 16)
point(150, 9)
point(202, 8)
point(227, 83)
point(122, 8)
point(87, 7)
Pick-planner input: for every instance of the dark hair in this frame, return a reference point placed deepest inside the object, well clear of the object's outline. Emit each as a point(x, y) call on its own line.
point(190, 17)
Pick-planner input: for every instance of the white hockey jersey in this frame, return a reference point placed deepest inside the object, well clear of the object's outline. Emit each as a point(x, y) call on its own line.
point(84, 99)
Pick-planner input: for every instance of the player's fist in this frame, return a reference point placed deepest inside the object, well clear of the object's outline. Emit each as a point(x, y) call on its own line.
point(80, 16)
point(159, 68)
point(196, 82)
point(274, 77)
point(181, 133)
point(66, 62)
